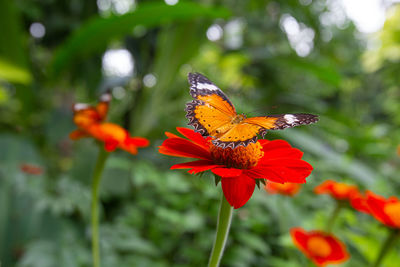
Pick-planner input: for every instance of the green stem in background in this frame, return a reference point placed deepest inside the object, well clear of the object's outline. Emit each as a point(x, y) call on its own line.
point(386, 246)
point(223, 225)
point(334, 215)
point(98, 170)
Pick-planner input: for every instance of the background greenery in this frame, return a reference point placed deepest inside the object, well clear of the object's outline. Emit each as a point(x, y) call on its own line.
point(151, 216)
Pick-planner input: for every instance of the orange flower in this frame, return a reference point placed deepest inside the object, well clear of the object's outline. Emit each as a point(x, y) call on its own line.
point(288, 189)
point(398, 150)
point(90, 122)
point(31, 169)
point(387, 211)
point(339, 191)
point(320, 247)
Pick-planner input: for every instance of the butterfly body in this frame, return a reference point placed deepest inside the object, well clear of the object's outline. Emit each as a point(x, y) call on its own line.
point(212, 114)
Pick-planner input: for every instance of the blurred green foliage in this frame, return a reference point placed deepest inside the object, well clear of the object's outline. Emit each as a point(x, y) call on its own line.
point(151, 216)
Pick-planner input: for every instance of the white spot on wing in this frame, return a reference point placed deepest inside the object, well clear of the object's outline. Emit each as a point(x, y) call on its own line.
point(80, 106)
point(207, 86)
point(105, 97)
point(290, 119)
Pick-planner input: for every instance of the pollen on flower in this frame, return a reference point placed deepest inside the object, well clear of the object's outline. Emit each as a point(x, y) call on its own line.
point(393, 211)
point(342, 189)
point(318, 246)
point(241, 157)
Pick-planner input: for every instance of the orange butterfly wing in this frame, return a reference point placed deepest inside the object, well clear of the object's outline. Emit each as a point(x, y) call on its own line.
point(85, 115)
point(211, 112)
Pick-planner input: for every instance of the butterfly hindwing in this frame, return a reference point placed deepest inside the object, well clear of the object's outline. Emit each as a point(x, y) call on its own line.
point(281, 121)
point(240, 135)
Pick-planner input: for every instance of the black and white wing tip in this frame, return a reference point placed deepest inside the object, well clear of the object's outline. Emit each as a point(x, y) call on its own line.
point(292, 120)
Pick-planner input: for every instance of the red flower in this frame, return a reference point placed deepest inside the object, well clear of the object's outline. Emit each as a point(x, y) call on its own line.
point(238, 168)
point(358, 202)
point(339, 191)
point(288, 189)
point(90, 123)
point(387, 211)
point(31, 169)
point(320, 247)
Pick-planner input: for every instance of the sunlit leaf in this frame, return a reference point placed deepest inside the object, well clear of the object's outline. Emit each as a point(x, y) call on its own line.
point(14, 73)
point(98, 32)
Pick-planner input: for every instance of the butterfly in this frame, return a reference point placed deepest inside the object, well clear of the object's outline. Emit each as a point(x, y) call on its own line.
point(211, 113)
point(85, 114)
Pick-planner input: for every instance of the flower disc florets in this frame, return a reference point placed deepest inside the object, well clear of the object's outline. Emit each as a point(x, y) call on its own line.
point(241, 157)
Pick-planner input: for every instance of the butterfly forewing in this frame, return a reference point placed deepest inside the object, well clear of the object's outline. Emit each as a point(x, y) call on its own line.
point(211, 109)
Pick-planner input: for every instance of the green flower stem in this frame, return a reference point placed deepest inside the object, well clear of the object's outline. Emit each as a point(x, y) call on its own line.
point(386, 246)
point(98, 170)
point(223, 226)
point(334, 215)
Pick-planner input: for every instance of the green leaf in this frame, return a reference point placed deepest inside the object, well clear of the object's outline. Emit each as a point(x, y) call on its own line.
point(98, 32)
point(13, 73)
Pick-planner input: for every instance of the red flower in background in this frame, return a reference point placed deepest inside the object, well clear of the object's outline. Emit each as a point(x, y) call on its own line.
point(90, 122)
point(339, 191)
point(238, 168)
point(320, 247)
point(31, 169)
point(288, 189)
point(358, 202)
point(387, 211)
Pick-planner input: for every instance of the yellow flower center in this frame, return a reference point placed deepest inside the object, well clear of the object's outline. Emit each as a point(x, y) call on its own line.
point(341, 189)
point(393, 211)
point(318, 246)
point(241, 157)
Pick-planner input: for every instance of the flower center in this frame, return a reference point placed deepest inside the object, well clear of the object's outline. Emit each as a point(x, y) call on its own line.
point(241, 157)
point(393, 211)
point(342, 189)
point(318, 246)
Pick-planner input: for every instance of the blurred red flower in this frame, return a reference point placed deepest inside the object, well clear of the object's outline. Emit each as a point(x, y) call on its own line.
point(387, 211)
point(31, 169)
point(288, 189)
point(320, 247)
point(90, 122)
point(339, 191)
point(238, 168)
point(358, 202)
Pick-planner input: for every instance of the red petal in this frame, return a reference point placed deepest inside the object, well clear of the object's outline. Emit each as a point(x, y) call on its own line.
point(299, 238)
point(193, 136)
point(171, 135)
point(180, 147)
point(110, 145)
point(227, 172)
point(280, 171)
point(275, 144)
point(279, 153)
point(137, 141)
point(194, 164)
point(238, 190)
point(376, 205)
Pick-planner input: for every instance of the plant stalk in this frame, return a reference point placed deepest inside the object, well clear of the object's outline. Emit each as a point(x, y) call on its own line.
point(98, 170)
point(334, 215)
point(223, 226)
point(386, 246)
